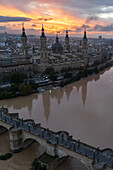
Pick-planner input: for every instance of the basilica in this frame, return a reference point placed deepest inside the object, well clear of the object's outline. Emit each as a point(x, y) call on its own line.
point(60, 57)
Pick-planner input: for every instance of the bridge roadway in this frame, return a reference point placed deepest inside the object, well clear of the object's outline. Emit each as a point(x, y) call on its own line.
point(99, 157)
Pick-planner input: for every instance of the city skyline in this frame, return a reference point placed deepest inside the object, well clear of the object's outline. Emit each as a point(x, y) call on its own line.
point(57, 16)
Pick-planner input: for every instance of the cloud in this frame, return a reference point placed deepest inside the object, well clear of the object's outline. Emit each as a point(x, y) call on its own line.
point(92, 18)
point(45, 19)
point(59, 15)
point(80, 29)
point(101, 28)
point(13, 19)
point(31, 29)
point(34, 25)
point(106, 28)
point(58, 32)
point(2, 27)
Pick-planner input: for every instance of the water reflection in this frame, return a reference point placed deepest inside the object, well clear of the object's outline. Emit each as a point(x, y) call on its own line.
point(27, 101)
point(81, 108)
point(20, 102)
point(58, 94)
point(46, 104)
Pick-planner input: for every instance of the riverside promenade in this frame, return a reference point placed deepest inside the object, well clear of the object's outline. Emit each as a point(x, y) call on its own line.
point(54, 143)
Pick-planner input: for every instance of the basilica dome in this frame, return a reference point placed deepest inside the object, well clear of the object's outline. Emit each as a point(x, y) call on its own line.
point(57, 47)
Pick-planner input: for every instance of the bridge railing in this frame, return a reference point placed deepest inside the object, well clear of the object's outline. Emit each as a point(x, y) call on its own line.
point(59, 138)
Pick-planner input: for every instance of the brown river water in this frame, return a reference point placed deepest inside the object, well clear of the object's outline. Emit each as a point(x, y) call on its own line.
point(84, 109)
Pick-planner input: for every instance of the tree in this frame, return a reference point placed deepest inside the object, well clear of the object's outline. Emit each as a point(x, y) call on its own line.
point(49, 71)
point(33, 84)
point(96, 70)
point(53, 77)
point(67, 75)
point(14, 87)
point(1, 79)
point(17, 77)
point(24, 89)
point(80, 74)
point(96, 63)
point(85, 73)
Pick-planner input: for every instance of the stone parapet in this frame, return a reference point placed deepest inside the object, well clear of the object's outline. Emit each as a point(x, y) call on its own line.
point(59, 144)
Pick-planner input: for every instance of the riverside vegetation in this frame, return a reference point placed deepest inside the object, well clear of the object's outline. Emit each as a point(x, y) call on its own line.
point(6, 156)
point(20, 87)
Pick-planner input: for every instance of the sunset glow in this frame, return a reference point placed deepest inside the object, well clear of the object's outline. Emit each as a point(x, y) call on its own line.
point(57, 16)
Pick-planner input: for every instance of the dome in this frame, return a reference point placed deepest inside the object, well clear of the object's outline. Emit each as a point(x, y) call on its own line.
point(57, 47)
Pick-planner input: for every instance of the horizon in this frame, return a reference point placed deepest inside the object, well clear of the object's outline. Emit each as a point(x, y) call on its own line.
point(54, 35)
point(57, 16)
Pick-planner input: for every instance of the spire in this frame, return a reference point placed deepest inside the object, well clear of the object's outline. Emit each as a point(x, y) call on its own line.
point(66, 33)
point(43, 34)
point(23, 31)
point(85, 33)
point(57, 39)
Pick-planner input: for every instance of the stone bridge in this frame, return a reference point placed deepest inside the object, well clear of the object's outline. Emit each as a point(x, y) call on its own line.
point(60, 143)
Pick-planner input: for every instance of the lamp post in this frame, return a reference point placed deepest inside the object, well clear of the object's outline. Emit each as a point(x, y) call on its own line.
point(93, 154)
point(78, 141)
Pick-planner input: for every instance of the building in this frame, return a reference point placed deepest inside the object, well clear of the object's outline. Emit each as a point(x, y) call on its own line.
point(67, 45)
point(43, 52)
point(18, 63)
point(57, 47)
point(24, 43)
point(85, 49)
point(60, 58)
point(21, 66)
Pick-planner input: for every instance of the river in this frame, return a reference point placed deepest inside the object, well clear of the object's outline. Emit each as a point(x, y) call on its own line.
point(83, 108)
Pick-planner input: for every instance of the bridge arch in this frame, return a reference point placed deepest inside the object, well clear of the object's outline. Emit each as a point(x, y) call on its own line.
point(27, 142)
point(77, 162)
point(28, 136)
point(29, 139)
point(108, 151)
point(3, 129)
point(5, 125)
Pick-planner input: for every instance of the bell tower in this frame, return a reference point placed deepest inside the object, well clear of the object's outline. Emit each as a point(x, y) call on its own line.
point(84, 45)
point(24, 42)
point(67, 47)
point(43, 51)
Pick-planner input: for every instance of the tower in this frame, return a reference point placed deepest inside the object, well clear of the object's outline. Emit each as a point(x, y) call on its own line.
point(84, 45)
point(57, 39)
point(24, 42)
point(43, 51)
point(67, 47)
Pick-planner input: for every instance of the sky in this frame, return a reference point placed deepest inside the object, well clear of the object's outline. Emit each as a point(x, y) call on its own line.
point(57, 16)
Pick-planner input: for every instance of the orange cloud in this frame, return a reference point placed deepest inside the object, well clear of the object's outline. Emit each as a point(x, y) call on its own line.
point(52, 14)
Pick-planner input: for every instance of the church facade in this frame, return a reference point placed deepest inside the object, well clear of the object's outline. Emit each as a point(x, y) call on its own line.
point(60, 57)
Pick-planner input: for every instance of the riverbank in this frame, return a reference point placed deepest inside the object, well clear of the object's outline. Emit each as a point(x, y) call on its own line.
point(27, 89)
point(65, 104)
